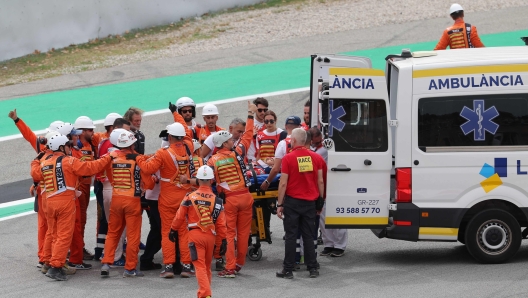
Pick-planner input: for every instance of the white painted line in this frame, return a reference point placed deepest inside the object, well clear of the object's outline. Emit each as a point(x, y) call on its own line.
point(16, 203)
point(25, 201)
point(17, 215)
point(157, 112)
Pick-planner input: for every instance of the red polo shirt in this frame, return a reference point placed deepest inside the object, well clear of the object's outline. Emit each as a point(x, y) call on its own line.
point(301, 165)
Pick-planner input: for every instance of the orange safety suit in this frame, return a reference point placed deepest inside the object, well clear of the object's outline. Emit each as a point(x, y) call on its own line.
point(60, 179)
point(42, 224)
point(195, 128)
point(238, 200)
point(202, 214)
point(198, 162)
point(85, 153)
point(456, 37)
point(128, 182)
point(171, 191)
point(204, 132)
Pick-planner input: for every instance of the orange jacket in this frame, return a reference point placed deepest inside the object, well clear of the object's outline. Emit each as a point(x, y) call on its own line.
point(195, 131)
point(198, 212)
point(29, 135)
point(162, 161)
point(227, 168)
point(456, 37)
point(72, 168)
point(126, 179)
point(204, 132)
point(85, 153)
point(198, 162)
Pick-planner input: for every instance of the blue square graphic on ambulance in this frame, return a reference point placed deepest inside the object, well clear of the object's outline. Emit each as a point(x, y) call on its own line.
point(479, 120)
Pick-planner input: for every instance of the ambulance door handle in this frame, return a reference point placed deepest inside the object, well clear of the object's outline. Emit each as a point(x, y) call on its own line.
point(340, 168)
point(367, 162)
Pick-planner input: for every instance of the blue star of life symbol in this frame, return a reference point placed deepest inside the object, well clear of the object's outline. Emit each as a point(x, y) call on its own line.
point(335, 122)
point(479, 120)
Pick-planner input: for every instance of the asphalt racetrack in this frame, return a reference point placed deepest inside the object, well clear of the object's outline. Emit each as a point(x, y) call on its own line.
point(371, 267)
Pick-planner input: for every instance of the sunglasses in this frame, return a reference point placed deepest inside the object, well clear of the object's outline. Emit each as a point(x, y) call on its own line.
point(269, 121)
point(185, 111)
point(262, 110)
point(88, 129)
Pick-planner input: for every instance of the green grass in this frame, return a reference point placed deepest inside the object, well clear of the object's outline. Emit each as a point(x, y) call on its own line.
point(40, 65)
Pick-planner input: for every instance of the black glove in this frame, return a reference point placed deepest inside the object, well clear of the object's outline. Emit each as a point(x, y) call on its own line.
point(40, 155)
point(172, 107)
point(319, 203)
point(222, 196)
point(144, 203)
point(173, 235)
point(132, 156)
point(223, 247)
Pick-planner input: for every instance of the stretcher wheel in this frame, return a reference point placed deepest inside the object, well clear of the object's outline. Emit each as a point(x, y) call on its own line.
point(254, 254)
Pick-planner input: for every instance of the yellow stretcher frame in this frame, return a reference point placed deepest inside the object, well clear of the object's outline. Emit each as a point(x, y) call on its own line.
point(257, 226)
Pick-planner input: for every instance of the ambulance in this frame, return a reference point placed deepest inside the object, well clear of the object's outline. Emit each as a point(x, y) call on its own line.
point(433, 148)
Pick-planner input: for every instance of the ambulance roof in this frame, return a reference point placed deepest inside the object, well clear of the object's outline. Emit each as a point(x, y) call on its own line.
point(465, 57)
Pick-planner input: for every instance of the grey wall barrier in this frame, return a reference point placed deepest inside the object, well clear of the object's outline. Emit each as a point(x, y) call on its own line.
point(29, 25)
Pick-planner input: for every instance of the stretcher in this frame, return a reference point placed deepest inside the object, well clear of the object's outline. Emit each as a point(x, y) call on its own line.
point(262, 199)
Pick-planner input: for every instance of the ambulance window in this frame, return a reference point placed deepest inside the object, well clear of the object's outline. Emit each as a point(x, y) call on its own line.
point(361, 125)
point(476, 120)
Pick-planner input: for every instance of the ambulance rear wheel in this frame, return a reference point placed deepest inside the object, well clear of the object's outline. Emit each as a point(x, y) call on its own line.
point(493, 236)
point(254, 254)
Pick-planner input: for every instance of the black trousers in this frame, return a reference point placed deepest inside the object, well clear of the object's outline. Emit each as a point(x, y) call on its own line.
point(299, 215)
point(153, 245)
point(102, 224)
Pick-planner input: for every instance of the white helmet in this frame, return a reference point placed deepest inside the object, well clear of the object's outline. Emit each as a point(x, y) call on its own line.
point(205, 173)
point(54, 125)
point(221, 137)
point(176, 129)
point(57, 140)
point(196, 144)
point(209, 109)
point(455, 8)
point(50, 134)
point(186, 102)
point(122, 138)
point(83, 122)
point(110, 118)
point(68, 129)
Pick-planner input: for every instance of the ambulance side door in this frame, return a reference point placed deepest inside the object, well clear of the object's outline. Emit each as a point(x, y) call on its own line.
point(359, 148)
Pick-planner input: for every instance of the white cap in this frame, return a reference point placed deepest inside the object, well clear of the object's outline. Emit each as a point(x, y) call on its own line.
point(455, 7)
point(122, 138)
point(110, 118)
point(83, 122)
point(205, 173)
point(209, 109)
point(221, 137)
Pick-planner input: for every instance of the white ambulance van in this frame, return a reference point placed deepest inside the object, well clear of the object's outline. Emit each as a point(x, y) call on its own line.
point(451, 130)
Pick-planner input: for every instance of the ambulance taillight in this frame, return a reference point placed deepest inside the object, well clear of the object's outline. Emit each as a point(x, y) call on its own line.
point(403, 185)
